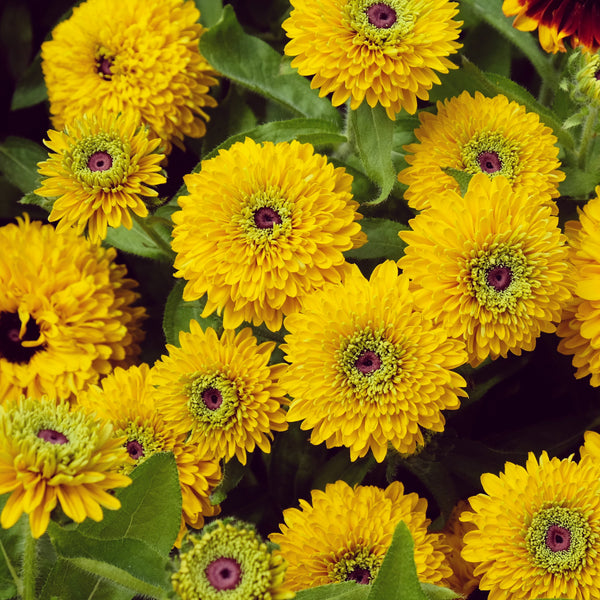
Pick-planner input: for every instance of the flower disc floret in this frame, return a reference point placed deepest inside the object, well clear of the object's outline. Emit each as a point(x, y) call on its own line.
point(264, 225)
point(51, 453)
point(385, 52)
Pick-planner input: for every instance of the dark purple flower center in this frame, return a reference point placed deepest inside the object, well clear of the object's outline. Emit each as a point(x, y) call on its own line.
point(489, 162)
point(212, 398)
point(381, 15)
point(499, 278)
point(558, 538)
point(359, 575)
point(368, 362)
point(52, 436)
point(135, 449)
point(224, 573)
point(103, 65)
point(11, 347)
point(100, 161)
point(265, 218)
point(597, 75)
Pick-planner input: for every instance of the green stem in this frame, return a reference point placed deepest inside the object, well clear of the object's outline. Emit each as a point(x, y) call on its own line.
point(587, 133)
point(29, 567)
point(154, 236)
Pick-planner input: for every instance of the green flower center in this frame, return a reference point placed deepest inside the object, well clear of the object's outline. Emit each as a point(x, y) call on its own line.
point(499, 278)
point(379, 23)
point(265, 217)
point(14, 348)
point(558, 539)
point(100, 161)
point(369, 362)
point(212, 399)
point(355, 565)
point(490, 152)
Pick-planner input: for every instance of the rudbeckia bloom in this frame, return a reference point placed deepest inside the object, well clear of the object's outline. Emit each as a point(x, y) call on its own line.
point(557, 21)
point(580, 326)
point(492, 271)
point(126, 398)
point(100, 169)
point(230, 560)
point(475, 134)
point(264, 225)
point(140, 56)
point(366, 370)
point(67, 313)
point(222, 391)
point(382, 52)
point(51, 454)
point(537, 530)
point(345, 533)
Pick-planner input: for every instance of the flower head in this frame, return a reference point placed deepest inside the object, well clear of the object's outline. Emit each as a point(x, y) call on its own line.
point(492, 271)
point(366, 370)
point(345, 533)
point(222, 391)
point(230, 560)
point(384, 52)
point(66, 312)
point(263, 226)
point(557, 21)
point(138, 56)
point(51, 453)
point(585, 86)
point(580, 325)
point(126, 398)
point(475, 134)
point(100, 169)
point(537, 530)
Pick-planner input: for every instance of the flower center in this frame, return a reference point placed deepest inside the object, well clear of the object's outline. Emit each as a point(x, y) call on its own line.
point(489, 162)
point(212, 398)
point(13, 347)
point(52, 436)
point(358, 564)
point(100, 161)
point(558, 538)
point(359, 575)
point(368, 362)
point(381, 15)
point(499, 278)
point(103, 67)
point(224, 573)
point(266, 217)
point(135, 449)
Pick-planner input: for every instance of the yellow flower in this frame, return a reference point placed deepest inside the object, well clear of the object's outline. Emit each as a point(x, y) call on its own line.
point(66, 312)
point(264, 225)
point(345, 533)
point(101, 166)
point(580, 327)
point(126, 398)
point(50, 454)
point(222, 391)
point(140, 56)
point(230, 560)
point(480, 135)
point(492, 271)
point(537, 530)
point(366, 370)
point(384, 52)
point(557, 21)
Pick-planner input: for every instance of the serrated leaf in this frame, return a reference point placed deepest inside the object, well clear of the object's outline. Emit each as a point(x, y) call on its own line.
point(383, 240)
point(373, 134)
point(179, 312)
point(348, 590)
point(252, 63)
point(36, 200)
point(18, 161)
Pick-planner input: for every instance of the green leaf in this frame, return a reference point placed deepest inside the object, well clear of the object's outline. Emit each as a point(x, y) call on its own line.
point(577, 183)
point(178, 314)
point(233, 471)
point(35, 200)
point(150, 507)
point(383, 241)
point(252, 63)
point(348, 590)
point(11, 553)
point(373, 134)
point(434, 592)
point(397, 578)
point(461, 177)
point(31, 87)
point(18, 161)
point(210, 11)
